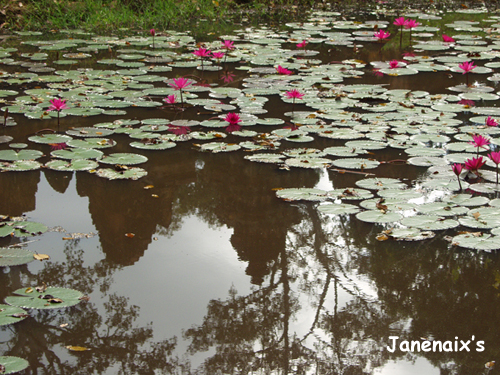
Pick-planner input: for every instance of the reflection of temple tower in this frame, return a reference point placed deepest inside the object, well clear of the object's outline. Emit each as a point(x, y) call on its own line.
point(121, 207)
point(18, 192)
point(242, 197)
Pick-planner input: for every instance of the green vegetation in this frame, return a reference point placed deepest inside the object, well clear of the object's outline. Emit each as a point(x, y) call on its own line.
point(113, 15)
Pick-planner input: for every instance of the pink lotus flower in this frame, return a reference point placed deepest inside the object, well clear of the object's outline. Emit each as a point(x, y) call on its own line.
point(202, 52)
point(448, 39)
point(467, 102)
point(233, 118)
point(227, 44)
point(457, 168)
point(377, 72)
point(411, 24)
point(294, 94)
point(178, 130)
point(490, 121)
point(399, 21)
point(474, 164)
point(381, 35)
point(479, 141)
point(393, 64)
point(180, 83)
point(302, 44)
point(495, 158)
point(467, 66)
point(218, 55)
point(58, 146)
point(152, 32)
point(171, 99)
point(57, 105)
point(282, 70)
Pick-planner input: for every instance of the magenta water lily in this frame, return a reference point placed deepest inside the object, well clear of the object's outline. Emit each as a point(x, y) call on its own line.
point(495, 158)
point(474, 164)
point(480, 142)
point(467, 66)
point(179, 84)
point(294, 94)
point(381, 35)
point(400, 21)
point(57, 105)
point(457, 169)
point(284, 71)
point(490, 121)
point(234, 120)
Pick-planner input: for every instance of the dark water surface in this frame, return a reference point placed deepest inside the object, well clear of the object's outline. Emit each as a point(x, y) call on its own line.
point(222, 277)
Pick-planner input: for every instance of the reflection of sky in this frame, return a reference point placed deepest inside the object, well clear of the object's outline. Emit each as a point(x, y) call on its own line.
point(178, 276)
point(403, 367)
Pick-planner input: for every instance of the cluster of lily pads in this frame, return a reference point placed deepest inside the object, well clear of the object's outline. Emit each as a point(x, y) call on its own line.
point(434, 130)
point(41, 297)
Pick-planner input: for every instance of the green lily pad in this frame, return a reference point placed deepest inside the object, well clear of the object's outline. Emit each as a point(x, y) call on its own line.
point(356, 163)
point(72, 165)
point(20, 166)
point(308, 162)
point(485, 242)
point(77, 153)
point(31, 299)
point(377, 216)
point(429, 222)
point(89, 132)
point(410, 234)
point(304, 194)
point(338, 209)
point(216, 147)
point(466, 200)
point(128, 174)
point(10, 315)
point(381, 183)
point(388, 204)
point(12, 155)
point(50, 138)
point(441, 209)
point(13, 364)
point(124, 158)
point(92, 143)
point(266, 158)
point(28, 228)
point(14, 256)
point(158, 145)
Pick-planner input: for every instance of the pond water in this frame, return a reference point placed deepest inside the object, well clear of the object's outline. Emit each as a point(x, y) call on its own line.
point(298, 244)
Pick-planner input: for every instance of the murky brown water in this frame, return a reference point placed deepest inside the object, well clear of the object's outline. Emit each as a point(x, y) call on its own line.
point(224, 278)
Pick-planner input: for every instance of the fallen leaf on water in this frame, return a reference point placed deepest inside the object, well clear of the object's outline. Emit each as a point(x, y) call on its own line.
point(67, 238)
point(74, 348)
point(84, 298)
point(382, 237)
point(42, 288)
point(41, 257)
point(476, 215)
point(130, 235)
point(154, 196)
point(29, 290)
point(63, 325)
point(155, 238)
point(148, 187)
point(489, 364)
point(56, 300)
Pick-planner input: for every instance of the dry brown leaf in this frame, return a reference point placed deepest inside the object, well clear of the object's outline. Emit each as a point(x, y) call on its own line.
point(74, 348)
point(41, 257)
point(382, 237)
point(130, 235)
point(148, 187)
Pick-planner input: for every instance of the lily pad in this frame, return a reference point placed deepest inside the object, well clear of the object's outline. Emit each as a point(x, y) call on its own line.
point(410, 234)
point(12, 155)
point(50, 138)
point(356, 163)
point(381, 183)
point(216, 147)
point(338, 209)
point(128, 174)
point(10, 315)
point(77, 153)
point(124, 158)
point(485, 242)
point(308, 162)
point(304, 194)
point(429, 222)
point(378, 216)
point(72, 165)
point(14, 256)
point(13, 364)
point(29, 298)
point(20, 166)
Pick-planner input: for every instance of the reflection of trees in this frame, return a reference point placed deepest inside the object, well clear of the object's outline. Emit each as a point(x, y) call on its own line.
point(256, 332)
point(17, 200)
point(116, 344)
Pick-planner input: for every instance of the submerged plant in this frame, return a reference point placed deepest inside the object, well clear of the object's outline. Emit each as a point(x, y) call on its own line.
point(57, 105)
point(179, 84)
point(467, 66)
point(457, 169)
